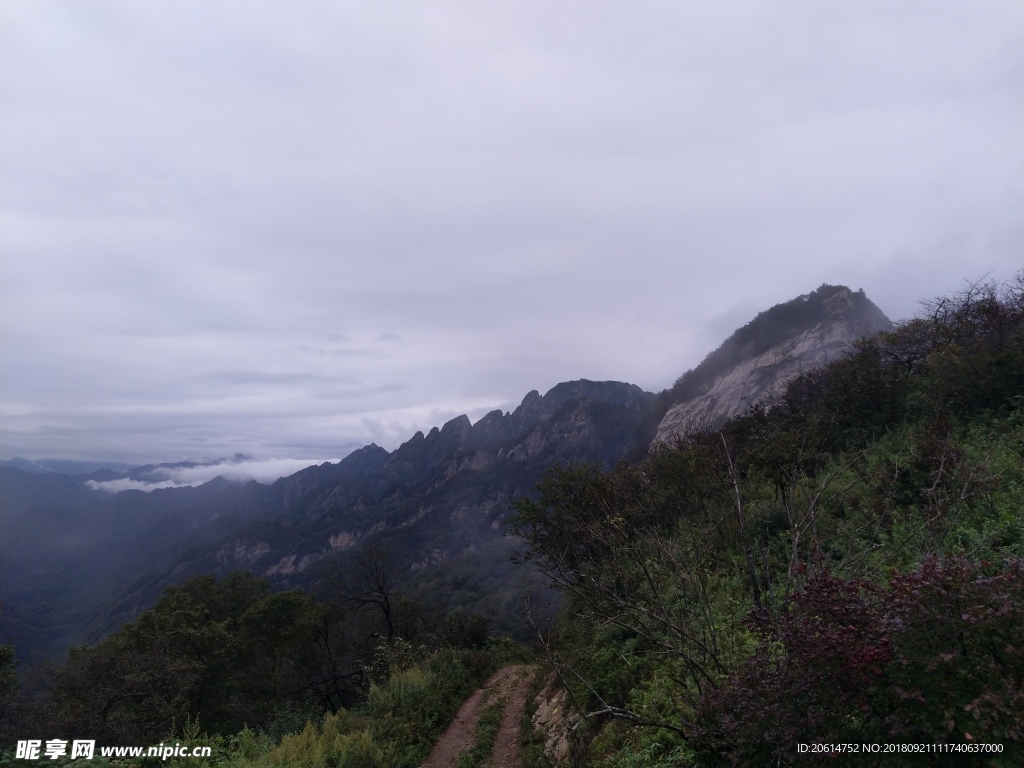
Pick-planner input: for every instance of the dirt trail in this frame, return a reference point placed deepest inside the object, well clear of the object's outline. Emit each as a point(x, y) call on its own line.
point(506, 744)
point(460, 735)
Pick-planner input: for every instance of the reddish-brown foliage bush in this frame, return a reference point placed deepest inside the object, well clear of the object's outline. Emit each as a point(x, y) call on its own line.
point(935, 657)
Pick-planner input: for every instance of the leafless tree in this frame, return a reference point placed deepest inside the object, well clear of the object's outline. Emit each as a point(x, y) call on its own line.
point(368, 584)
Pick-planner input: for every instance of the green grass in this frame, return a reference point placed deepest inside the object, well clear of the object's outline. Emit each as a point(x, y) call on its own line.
point(486, 732)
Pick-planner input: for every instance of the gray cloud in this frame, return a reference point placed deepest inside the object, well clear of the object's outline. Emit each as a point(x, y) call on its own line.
point(291, 229)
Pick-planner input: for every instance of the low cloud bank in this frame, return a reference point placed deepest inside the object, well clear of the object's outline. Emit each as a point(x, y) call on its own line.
point(127, 484)
point(240, 469)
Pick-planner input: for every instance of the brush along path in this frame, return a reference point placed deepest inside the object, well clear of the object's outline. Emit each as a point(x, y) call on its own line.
point(461, 734)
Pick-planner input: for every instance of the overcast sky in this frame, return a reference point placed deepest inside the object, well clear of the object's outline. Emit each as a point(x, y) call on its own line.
point(289, 229)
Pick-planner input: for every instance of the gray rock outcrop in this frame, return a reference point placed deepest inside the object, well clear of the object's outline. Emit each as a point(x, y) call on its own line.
point(828, 331)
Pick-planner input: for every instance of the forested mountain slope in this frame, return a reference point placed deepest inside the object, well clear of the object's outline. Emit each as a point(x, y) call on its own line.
point(843, 564)
point(78, 562)
point(437, 503)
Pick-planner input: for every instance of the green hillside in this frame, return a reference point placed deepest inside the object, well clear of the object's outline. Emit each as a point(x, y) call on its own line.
point(842, 565)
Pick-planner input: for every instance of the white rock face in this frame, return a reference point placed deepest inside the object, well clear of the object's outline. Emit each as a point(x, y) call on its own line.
point(735, 391)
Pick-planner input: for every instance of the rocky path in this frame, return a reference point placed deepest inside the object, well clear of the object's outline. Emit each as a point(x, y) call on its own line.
point(513, 681)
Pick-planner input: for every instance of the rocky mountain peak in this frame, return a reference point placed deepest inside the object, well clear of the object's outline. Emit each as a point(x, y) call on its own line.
point(766, 353)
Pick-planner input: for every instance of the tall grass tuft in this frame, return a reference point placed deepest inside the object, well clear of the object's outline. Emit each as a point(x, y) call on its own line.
point(328, 747)
point(404, 691)
point(395, 728)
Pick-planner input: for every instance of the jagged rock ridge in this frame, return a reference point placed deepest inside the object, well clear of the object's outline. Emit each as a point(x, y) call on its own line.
point(766, 353)
point(435, 498)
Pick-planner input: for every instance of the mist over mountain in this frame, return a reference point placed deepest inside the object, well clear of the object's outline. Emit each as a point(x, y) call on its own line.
point(82, 554)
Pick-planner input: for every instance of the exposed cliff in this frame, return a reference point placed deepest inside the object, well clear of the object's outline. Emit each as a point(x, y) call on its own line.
point(766, 353)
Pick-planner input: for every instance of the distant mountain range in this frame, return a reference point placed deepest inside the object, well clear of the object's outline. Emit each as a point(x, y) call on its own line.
point(42, 466)
point(76, 562)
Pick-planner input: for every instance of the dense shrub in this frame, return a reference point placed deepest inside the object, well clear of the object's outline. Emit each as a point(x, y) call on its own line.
point(937, 656)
